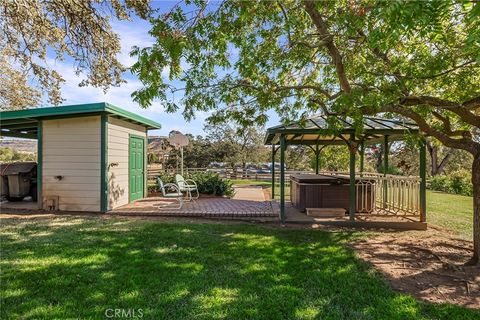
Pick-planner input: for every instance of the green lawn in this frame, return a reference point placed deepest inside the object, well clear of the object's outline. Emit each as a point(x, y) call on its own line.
point(78, 268)
point(452, 212)
point(251, 182)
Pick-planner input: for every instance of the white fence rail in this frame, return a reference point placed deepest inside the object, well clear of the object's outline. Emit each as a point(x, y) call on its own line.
point(390, 194)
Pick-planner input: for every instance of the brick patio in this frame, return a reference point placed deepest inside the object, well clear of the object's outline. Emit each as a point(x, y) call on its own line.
point(203, 207)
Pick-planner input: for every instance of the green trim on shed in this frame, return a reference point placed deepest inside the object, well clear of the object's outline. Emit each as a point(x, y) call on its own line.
point(21, 123)
point(104, 163)
point(40, 164)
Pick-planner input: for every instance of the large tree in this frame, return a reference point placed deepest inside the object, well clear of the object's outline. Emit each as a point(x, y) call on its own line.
point(414, 59)
point(237, 145)
point(76, 30)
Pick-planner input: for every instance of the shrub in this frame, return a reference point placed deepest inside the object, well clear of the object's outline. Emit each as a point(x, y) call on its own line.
point(166, 177)
point(212, 183)
point(207, 182)
point(458, 183)
point(152, 187)
point(461, 183)
point(440, 183)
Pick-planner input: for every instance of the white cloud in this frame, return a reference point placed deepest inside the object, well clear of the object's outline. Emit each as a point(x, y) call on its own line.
point(132, 34)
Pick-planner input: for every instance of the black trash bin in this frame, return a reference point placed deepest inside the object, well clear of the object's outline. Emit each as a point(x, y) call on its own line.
point(18, 180)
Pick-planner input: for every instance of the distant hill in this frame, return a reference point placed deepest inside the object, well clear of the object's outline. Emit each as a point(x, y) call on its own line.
point(156, 144)
point(21, 145)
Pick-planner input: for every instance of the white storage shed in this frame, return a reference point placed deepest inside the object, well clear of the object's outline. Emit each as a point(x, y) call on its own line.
point(91, 157)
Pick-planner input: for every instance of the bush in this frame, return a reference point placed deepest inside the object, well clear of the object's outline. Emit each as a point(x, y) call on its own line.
point(207, 182)
point(166, 178)
point(212, 183)
point(391, 170)
point(440, 183)
point(458, 183)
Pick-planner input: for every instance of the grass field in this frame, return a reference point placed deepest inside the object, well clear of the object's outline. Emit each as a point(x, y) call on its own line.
point(79, 268)
point(252, 182)
point(452, 212)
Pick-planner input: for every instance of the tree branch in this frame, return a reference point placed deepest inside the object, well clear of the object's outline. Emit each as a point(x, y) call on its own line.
point(462, 110)
point(462, 143)
point(447, 126)
point(327, 38)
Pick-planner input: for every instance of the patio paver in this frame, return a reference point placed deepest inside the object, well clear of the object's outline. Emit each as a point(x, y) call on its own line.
point(247, 203)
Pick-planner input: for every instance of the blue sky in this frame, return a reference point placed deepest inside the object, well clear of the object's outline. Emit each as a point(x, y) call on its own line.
point(131, 33)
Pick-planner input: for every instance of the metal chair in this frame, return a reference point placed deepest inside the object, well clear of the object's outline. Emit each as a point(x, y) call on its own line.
point(187, 186)
point(177, 194)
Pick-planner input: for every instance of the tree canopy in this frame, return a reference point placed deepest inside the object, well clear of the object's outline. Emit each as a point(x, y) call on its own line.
point(414, 59)
point(77, 30)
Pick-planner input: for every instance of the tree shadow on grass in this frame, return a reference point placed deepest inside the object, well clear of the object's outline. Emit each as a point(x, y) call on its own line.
point(78, 268)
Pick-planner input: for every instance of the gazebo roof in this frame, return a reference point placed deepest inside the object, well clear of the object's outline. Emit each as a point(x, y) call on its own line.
point(318, 130)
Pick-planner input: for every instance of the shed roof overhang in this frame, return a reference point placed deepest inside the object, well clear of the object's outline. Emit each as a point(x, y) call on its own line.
point(24, 123)
point(317, 131)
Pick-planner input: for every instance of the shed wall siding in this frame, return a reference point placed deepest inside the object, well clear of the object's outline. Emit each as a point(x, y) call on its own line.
point(118, 132)
point(71, 149)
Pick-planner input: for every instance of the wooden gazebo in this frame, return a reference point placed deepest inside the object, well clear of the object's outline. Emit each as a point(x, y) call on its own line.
point(320, 131)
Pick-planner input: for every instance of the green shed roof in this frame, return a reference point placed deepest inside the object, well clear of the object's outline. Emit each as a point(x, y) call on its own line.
point(23, 123)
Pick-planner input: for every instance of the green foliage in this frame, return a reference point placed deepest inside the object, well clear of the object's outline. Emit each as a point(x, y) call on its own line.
point(10, 155)
point(457, 183)
point(207, 183)
point(391, 170)
point(237, 144)
point(152, 187)
point(79, 30)
point(212, 183)
point(280, 61)
point(166, 177)
point(223, 143)
point(152, 158)
point(332, 158)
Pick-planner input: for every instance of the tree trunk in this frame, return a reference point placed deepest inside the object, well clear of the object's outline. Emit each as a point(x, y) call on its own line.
point(433, 157)
point(379, 156)
point(476, 210)
point(437, 168)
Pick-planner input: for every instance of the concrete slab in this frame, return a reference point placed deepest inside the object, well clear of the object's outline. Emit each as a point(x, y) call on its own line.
point(251, 193)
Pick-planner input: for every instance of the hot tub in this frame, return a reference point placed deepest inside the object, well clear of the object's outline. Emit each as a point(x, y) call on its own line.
point(327, 191)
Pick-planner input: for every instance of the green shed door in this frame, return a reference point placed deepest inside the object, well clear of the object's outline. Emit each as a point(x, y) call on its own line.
point(136, 168)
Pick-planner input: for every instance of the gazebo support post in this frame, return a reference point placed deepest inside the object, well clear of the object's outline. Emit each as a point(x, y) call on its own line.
point(423, 182)
point(273, 171)
point(317, 155)
point(282, 178)
point(385, 170)
point(352, 187)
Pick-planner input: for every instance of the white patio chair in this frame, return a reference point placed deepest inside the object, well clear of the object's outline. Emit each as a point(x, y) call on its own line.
point(187, 186)
point(176, 194)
